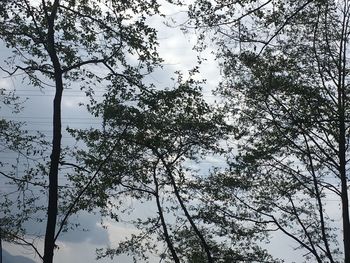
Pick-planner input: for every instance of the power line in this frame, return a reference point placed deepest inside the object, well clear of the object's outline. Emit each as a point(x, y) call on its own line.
point(41, 117)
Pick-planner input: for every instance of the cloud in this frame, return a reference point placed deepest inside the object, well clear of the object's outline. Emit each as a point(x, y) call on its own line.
point(5, 83)
point(8, 258)
point(90, 231)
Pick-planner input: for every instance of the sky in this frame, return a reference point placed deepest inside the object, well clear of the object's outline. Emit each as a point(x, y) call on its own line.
point(176, 48)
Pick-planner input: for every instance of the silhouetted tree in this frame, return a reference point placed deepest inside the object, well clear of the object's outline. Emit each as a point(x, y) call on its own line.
point(59, 41)
point(149, 136)
point(286, 83)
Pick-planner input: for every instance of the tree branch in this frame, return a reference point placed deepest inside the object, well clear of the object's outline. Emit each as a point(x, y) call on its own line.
point(76, 200)
point(25, 242)
point(284, 24)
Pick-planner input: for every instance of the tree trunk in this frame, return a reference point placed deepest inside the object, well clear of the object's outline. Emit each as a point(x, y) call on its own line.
point(342, 101)
point(344, 193)
point(56, 141)
point(53, 175)
point(0, 246)
point(188, 216)
point(162, 220)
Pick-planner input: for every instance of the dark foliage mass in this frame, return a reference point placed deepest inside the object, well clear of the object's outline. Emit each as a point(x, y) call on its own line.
point(280, 132)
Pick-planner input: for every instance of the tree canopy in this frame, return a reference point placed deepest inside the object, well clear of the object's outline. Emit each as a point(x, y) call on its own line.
point(53, 42)
point(281, 133)
point(285, 67)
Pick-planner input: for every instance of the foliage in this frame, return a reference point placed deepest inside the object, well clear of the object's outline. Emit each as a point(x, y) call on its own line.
point(285, 67)
point(286, 91)
point(152, 142)
point(84, 32)
point(18, 185)
point(86, 42)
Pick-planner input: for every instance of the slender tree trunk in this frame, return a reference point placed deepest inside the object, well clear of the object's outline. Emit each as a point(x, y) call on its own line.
point(342, 101)
point(53, 175)
point(161, 216)
point(0, 246)
point(188, 216)
point(320, 206)
point(344, 187)
point(56, 141)
point(344, 194)
point(346, 222)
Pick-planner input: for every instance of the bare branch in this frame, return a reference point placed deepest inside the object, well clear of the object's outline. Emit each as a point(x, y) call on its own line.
point(23, 242)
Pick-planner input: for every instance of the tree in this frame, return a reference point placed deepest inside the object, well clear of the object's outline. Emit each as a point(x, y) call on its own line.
point(55, 41)
point(286, 84)
point(150, 144)
point(148, 137)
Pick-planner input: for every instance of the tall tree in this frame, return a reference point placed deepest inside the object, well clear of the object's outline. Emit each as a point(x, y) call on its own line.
point(286, 84)
point(149, 137)
point(152, 143)
point(57, 40)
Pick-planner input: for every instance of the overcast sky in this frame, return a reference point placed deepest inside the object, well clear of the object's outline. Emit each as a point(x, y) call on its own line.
point(176, 49)
point(79, 246)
